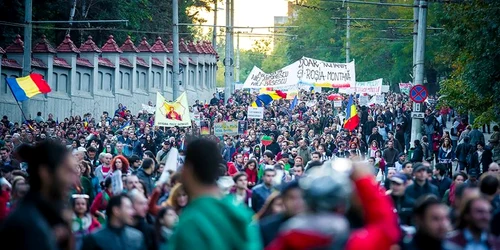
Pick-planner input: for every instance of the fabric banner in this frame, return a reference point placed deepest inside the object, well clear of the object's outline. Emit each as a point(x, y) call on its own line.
point(371, 88)
point(225, 128)
point(326, 73)
point(285, 77)
point(149, 109)
point(405, 87)
point(170, 114)
point(255, 113)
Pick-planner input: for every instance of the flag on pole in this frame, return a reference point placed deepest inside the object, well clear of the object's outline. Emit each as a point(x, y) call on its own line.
point(294, 103)
point(352, 118)
point(23, 88)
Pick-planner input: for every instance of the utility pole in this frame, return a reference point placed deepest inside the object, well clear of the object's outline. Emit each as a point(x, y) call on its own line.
point(228, 60)
point(415, 34)
point(348, 35)
point(237, 72)
point(28, 13)
point(232, 46)
point(416, 124)
point(175, 24)
point(214, 32)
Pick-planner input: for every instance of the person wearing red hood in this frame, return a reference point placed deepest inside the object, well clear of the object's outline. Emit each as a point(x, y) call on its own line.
point(327, 192)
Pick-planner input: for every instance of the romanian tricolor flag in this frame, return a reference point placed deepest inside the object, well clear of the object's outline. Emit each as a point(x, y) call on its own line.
point(267, 97)
point(352, 118)
point(23, 88)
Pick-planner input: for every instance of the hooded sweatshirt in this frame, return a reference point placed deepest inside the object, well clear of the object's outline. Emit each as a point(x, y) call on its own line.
point(218, 220)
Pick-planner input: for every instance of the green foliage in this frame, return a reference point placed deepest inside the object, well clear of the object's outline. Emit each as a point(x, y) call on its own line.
point(471, 40)
point(147, 18)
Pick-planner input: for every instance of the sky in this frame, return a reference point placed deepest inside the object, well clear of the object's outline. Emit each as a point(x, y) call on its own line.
point(256, 13)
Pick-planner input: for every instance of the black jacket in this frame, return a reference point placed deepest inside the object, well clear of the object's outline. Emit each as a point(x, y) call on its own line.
point(30, 226)
point(442, 185)
point(148, 180)
point(148, 232)
point(486, 160)
point(110, 238)
point(415, 191)
point(404, 207)
point(418, 155)
point(270, 227)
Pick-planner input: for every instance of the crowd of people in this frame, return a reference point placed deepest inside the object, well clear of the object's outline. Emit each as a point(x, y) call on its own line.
point(109, 182)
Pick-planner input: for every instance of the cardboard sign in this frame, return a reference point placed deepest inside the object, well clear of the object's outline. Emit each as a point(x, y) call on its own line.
point(255, 112)
point(337, 104)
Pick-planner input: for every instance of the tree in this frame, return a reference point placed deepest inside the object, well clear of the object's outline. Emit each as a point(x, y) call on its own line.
point(471, 39)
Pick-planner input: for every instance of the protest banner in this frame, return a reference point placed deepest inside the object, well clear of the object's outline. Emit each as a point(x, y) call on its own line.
point(371, 88)
point(284, 77)
point(385, 88)
point(242, 127)
point(323, 73)
point(255, 112)
point(363, 100)
point(225, 128)
point(149, 109)
point(170, 114)
point(405, 87)
point(337, 104)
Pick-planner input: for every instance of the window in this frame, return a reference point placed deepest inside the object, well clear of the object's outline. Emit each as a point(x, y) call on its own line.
point(157, 80)
point(121, 80)
point(86, 82)
point(137, 85)
point(63, 83)
point(5, 89)
point(100, 78)
point(125, 80)
point(142, 81)
point(55, 86)
point(200, 79)
point(108, 81)
point(78, 81)
point(191, 77)
point(206, 79)
point(169, 78)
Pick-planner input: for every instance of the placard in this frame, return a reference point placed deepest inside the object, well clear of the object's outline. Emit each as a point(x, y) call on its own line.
point(371, 88)
point(255, 113)
point(171, 114)
point(242, 127)
point(226, 128)
point(380, 99)
point(149, 109)
point(204, 128)
point(405, 87)
point(363, 100)
point(337, 104)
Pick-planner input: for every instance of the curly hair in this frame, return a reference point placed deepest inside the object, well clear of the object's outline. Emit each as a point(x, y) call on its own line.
point(124, 162)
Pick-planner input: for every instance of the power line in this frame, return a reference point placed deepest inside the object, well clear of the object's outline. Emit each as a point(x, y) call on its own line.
point(371, 19)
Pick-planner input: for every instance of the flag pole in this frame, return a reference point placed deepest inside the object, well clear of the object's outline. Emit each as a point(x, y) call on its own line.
point(17, 102)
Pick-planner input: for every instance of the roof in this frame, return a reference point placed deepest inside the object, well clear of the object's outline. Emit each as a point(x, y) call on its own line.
point(60, 62)
point(11, 63)
point(156, 61)
point(2, 51)
point(192, 61)
point(84, 62)
point(141, 62)
point(128, 46)
point(67, 46)
point(110, 46)
point(144, 46)
point(183, 48)
point(125, 62)
point(36, 62)
point(170, 46)
point(89, 46)
point(16, 47)
point(43, 46)
point(192, 47)
point(105, 62)
point(159, 46)
point(209, 48)
point(200, 47)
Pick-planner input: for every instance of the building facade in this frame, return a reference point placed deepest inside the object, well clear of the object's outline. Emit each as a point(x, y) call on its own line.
point(92, 79)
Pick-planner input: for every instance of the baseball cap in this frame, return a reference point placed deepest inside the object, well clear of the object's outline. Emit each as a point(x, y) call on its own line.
point(399, 178)
point(419, 166)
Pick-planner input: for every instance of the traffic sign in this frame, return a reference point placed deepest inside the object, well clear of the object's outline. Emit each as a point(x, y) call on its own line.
point(418, 115)
point(418, 93)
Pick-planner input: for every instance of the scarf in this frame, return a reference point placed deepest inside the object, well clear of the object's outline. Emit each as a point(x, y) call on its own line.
point(81, 224)
point(451, 195)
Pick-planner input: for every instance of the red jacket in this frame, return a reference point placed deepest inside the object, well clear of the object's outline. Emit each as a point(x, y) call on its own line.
point(231, 169)
point(380, 232)
point(252, 175)
point(4, 199)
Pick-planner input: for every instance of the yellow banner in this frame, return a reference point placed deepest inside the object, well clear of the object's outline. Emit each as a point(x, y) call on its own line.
point(171, 114)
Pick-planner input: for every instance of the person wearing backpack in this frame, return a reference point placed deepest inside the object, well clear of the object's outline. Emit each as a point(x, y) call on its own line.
point(98, 207)
point(463, 153)
point(161, 156)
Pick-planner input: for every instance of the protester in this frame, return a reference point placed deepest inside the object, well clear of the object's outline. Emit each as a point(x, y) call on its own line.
point(422, 186)
point(117, 234)
point(402, 204)
point(263, 190)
